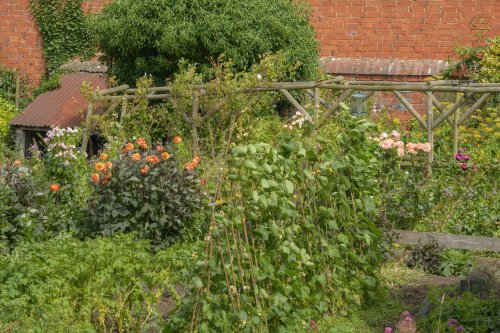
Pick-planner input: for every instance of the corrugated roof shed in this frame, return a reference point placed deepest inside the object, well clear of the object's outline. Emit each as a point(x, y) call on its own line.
point(63, 107)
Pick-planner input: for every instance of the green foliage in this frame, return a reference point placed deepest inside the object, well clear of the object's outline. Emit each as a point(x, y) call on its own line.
point(7, 111)
point(291, 237)
point(490, 62)
point(67, 285)
point(64, 30)
point(474, 314)
point(143, 191)
point(151, 37)
point(426, 256)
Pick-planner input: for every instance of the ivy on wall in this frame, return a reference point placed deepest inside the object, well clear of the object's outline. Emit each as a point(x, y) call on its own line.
point(64, 31)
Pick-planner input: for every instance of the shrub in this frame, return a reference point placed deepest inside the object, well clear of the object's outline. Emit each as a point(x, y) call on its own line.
point(490, 62)
point(291, 237)
point(151, 37)
point(144, 191)
point(68, 285)
point(7, 112)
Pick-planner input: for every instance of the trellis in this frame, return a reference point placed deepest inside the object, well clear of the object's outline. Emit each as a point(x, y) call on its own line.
point(453, 115)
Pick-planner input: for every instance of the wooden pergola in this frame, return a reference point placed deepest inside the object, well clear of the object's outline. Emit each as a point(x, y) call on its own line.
point(473, 96)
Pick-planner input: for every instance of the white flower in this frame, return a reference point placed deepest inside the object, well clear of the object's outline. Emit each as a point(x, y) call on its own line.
point(259, 77)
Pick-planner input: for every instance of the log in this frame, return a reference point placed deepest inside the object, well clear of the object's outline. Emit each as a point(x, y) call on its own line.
point(113, 90)
point(473, 108)
point(449, 112)
point(296, 104)
point(450, 241)
point(410, 108)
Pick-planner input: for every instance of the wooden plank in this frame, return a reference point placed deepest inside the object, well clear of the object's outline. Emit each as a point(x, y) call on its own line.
point(473, 108)
point(440, 107)
point(113, 90)
point(449, 241)
point(296, 104)
point(337, 102)
point(430, 133)
point(410, 108)
point(458, 104)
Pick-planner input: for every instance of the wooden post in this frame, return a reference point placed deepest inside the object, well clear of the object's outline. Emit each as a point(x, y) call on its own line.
point(430, 133)
point(195, 122)
point(456, 117)
point(86, 131)
point(18, 86)
point(124, 108)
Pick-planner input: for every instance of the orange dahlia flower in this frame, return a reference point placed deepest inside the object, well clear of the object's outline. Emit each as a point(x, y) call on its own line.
point(142, 143)
point(144, 169)
point(177, 139)
point(99, 166)
point(103, 157)
point(54, 187)
point(160, 149)
point(95, 178)
point(136, 157)
point(153, 159)
point(16, 163)
point(189, 166)
point(165, 156)
point(108, 165)
point(128, 147)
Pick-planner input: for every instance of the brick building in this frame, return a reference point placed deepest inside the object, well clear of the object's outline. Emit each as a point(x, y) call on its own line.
point(402, 40)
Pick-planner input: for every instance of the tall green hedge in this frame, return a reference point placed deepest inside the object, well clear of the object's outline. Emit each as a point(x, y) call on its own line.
point(151, 36)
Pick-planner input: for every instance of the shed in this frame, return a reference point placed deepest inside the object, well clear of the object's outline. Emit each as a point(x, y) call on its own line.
point(62, 107)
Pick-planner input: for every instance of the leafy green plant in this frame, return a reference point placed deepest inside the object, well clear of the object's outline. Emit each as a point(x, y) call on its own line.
point(7, 111)
point(451, 310)
point(490, 62)
point(139, 37)
point(64, 30)
point(143, 191)
point(426, 256)
point(68, 285)
point(291, 237)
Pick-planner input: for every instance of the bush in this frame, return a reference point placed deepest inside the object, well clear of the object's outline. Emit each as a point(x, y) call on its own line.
point(144, 191)
point(68, 285)
point(7, 111)
point(490, 62)
point(151, 37)
point(291, 237)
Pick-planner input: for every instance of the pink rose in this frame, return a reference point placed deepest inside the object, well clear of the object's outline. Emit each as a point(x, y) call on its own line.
point(384, 135)
point(396, 134)
point(401, 152)
point(419, 146)
point(427, 147)
point(400, 144)
point(387, 144)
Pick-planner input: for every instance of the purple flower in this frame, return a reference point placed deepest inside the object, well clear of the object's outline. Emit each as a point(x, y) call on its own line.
point(466, 158)
point(459, 157)
point(460, 328)
point(388, 329)
point(452, 322)
point(463, 150)
point(463, 166)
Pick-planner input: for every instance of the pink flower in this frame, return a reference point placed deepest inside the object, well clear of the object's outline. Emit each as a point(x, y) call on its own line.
point(420, 146)
point(384, 135)
point(427, 147)
point(388, 329)
point(396, 134)
point(387, 144)
point(399, 144)
point(410, 148)
point(401, 152)
point(463, 166)
point(406, 313)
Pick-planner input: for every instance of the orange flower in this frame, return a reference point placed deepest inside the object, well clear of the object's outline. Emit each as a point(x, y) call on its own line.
point(136, 157)
point(16, 163)
point(103, 157)
point(165, 156)
point(159, 149)
point(95, 178)
point(100, 166)
point(189, 166)
point(197, 160)
point(128, 147)
point(144, 169)
point(22, 174)
point(109, 165)
point(177, 139)
point(142, 143)
point(108, 176)
point(54, 187)
point(153, 159)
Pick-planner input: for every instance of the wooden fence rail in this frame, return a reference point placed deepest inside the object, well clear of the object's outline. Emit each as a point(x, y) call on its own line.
point(478, 243)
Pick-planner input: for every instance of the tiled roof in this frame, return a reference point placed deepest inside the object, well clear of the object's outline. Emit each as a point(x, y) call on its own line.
point(372, 66)
point(63, 107)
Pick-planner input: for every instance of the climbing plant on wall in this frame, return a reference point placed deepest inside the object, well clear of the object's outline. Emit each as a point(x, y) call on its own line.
point(64, 30)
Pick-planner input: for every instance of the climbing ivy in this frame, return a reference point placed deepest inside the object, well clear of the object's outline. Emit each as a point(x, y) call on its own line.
point(64, 31)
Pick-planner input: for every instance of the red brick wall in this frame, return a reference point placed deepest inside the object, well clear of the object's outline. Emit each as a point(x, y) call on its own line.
point(20, 41)
point(403, 29)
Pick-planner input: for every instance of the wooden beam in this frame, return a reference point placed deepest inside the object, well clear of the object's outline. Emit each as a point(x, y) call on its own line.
point(473, 108)
point(449, 112)
point(296, 104)
point(440, 107)
point(86, 131)
point(478, 243)
point(430, 133)
point(410, 108)
point(337, 102)
point(113, 90)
